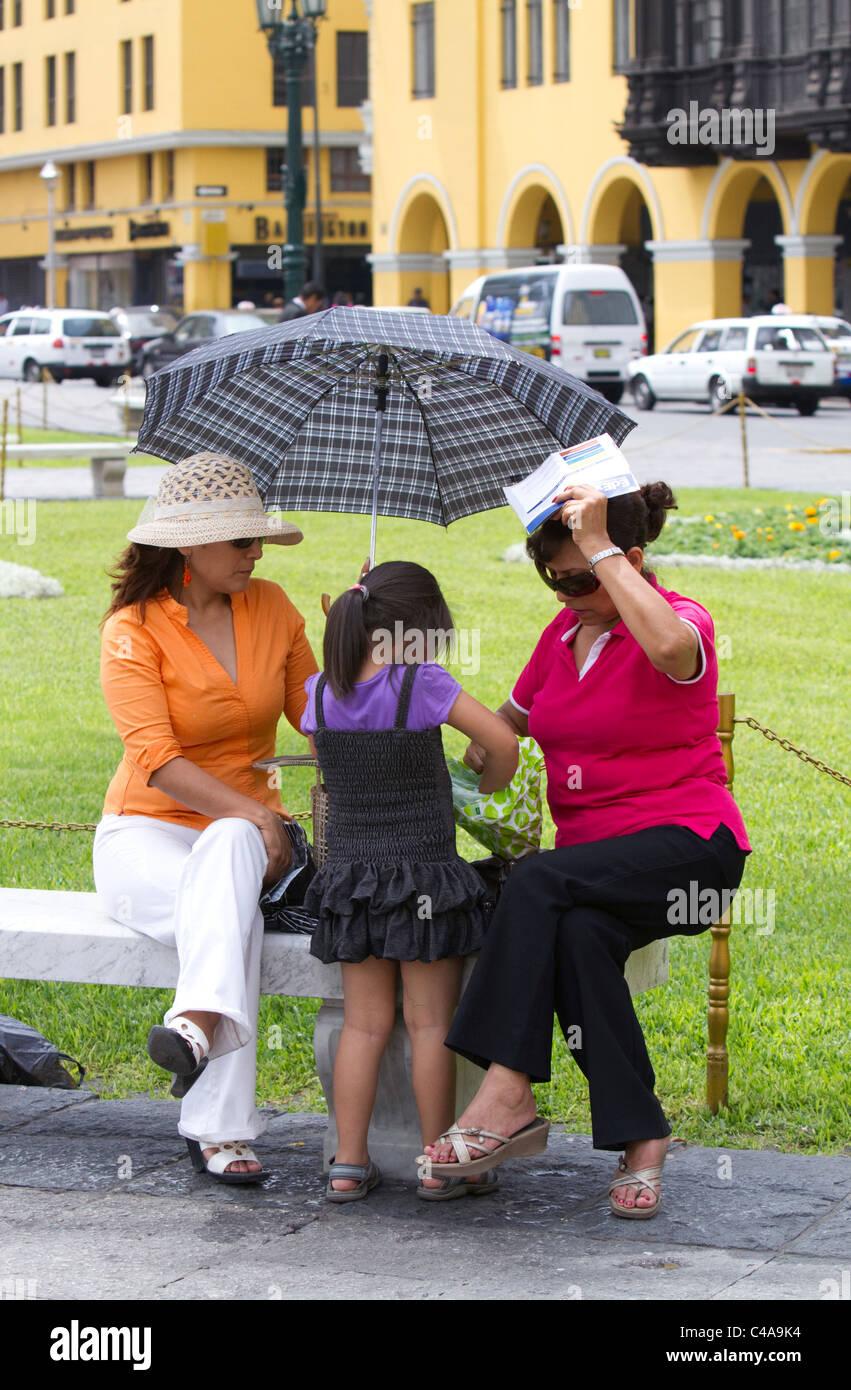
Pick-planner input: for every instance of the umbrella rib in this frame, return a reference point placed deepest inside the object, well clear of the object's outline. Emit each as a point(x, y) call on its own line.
point(404, 377)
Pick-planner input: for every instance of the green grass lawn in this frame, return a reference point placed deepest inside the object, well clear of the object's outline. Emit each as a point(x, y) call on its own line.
point(787, 656)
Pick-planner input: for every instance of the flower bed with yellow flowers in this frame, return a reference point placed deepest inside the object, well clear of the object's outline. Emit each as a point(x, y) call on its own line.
point(788, 532)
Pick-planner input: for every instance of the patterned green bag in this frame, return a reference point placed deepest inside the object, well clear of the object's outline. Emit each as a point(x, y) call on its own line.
point(510, 822)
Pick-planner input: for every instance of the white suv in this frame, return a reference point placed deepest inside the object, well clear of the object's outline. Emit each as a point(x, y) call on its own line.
point(69, 342)
point(778, 359)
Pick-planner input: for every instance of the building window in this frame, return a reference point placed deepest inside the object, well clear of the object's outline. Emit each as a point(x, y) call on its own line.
point(534, 43)
point(2, 101)
point(279, 82)
point(2, 15)
point(70, 187)
point(70, 7)
point(19, 13)
point(70, 88)
point(168, 176)
point(126, 75)
point(276, 158)
point(49, 9)
point(789, 27)
point(561, 28)
point(50, 91)
point(699, 32)
point(351, 68)
point(346, 175)
point(148, 50)
point(18, 84)
point(508, 16)
point(90, 183)
point(622, 26)
point(147, 178)
point(423, 39)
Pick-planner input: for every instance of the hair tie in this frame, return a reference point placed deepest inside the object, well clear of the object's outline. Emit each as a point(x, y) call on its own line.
point(364, 590)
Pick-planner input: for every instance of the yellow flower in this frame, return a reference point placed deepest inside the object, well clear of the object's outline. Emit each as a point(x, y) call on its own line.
point(709, 518)
point(810, 511)
point(714, 545)
point(834, 554)
point(718, 526)
point(797, 526)
point(759, 530)
point(822, 501)
point(757, 511)
point(812, 521)
point(789, 507)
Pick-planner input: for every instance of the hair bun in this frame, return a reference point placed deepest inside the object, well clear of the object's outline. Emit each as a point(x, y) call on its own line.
point(659, 500)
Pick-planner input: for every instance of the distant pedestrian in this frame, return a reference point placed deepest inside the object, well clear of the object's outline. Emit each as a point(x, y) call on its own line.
point(342, 300)
point(309, 300)
point(418, 301)
point(4, 304)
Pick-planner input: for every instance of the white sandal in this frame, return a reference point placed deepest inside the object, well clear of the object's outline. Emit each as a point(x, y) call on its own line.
point(234, 1151)
point(181, 1048)
point(638, 1177)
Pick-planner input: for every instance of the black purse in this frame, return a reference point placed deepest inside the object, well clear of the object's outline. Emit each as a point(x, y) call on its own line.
point(282, 905)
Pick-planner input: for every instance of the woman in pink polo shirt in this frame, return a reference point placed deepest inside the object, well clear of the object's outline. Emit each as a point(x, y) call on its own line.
point(620, 693)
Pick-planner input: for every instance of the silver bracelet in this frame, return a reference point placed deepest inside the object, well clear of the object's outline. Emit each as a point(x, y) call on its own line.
point(601, 554)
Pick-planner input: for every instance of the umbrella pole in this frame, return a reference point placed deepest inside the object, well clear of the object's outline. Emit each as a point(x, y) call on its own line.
point(381, 388)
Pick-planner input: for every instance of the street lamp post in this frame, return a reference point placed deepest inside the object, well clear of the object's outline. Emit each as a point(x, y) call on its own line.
point(50, 174)
point(291, 41)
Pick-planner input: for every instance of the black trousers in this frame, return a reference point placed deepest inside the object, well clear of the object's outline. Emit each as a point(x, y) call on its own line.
point(558, 942)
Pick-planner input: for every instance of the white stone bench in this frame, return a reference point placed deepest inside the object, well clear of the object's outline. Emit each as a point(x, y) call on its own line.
point(108, 460)
point(67, 936)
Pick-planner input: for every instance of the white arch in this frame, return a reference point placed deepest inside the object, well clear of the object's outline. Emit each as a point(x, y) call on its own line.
point(446, 208)
point(791, 218)
point(641, 177)
point(564, 208)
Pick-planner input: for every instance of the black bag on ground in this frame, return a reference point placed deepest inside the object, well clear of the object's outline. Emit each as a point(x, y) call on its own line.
point(28, 1059)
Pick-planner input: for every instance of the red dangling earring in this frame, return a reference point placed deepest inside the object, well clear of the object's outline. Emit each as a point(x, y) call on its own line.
point(187, 577)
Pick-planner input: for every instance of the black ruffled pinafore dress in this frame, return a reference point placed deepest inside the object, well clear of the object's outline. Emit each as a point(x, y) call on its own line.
point(393, 884)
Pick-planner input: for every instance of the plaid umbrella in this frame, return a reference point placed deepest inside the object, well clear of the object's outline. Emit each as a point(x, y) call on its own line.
point(375, 411)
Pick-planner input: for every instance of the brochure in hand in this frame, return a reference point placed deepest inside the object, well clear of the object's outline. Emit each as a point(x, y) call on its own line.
point(598, 462)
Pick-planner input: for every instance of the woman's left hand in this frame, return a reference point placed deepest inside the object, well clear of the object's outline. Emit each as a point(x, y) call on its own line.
point(584, 513)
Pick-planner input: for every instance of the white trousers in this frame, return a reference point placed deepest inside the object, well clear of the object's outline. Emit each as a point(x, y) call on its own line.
point(198, 890)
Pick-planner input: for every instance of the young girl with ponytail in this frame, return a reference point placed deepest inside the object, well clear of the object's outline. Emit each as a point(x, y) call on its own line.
point(620, 693)
point(393, 895)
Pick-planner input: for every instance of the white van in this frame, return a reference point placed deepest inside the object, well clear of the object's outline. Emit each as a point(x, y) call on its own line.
point(584, 318)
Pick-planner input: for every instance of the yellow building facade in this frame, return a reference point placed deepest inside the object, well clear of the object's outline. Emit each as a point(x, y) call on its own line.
point(472, 174)
point(168, 133)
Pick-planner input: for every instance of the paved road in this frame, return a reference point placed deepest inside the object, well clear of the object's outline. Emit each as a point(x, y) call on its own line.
point(83, 1181)
point(679, 443)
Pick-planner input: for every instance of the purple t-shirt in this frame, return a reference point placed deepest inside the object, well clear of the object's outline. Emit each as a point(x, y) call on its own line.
point(372, 704)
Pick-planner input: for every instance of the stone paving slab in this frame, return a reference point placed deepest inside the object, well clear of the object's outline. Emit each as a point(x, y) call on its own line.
point(84, 1183)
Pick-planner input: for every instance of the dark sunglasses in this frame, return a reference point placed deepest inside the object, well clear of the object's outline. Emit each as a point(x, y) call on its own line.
point(572, 585)
point(245, 542)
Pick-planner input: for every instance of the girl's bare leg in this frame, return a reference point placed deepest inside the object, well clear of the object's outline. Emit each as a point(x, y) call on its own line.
point(369, 1008)
point(430, 993)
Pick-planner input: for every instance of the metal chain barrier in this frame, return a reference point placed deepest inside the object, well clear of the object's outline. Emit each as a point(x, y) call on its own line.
point(308, 815)
point(790, 748)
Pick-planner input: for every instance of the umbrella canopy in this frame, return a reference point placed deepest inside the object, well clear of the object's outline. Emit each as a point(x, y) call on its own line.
point(459, 412)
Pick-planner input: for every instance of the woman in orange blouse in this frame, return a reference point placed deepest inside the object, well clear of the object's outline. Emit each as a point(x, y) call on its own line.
point(199, 661)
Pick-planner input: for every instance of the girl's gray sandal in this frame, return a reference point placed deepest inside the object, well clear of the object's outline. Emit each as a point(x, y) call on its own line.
point(451, 1188)
point(368, 1176)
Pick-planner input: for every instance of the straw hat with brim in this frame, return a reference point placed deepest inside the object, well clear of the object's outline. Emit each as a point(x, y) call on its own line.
point(209, 497)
